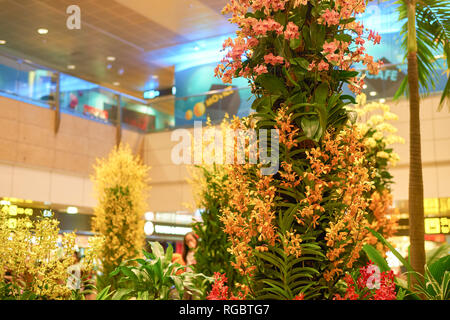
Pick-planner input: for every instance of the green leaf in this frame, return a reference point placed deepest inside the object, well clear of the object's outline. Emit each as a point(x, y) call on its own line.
point(310, 126)
point(345, 74)
point(343, 37)
point(157, 249)
point(294, 43)
point(396, 253)
point(438, 268)
point(376, 257)
point(129, 273)
point(276, 290)
point(299, 61)
point(321, 93)
point(264, 103)
point(121, 293)
point(285, 71)
point(346, 21)
point(272, 259)
point(280, 17)
point(272, 84)
point(169, 253)
point(178, 285)
point(104, 294)
point(348, 97)
point(437, 253)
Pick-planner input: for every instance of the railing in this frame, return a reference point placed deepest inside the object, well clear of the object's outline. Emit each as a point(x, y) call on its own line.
point(23, 80)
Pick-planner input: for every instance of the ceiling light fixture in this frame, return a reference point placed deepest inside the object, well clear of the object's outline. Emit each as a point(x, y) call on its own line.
point(382, 100)
point(71, 67)
point(42, 31)
point(373, 93)
point(116, 83)
point(2, 41)
point(111, 58)
point(364, 86)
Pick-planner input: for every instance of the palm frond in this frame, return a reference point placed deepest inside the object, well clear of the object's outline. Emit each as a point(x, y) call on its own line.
point(433, 39)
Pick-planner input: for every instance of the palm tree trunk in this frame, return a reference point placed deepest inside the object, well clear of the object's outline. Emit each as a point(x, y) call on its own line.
point(416, 207)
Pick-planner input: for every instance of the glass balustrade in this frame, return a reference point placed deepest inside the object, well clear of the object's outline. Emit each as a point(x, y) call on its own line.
point(23, 80)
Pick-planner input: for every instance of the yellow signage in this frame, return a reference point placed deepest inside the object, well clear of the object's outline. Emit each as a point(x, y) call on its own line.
point(217, 97)
point(14, 210)
point(437, 225)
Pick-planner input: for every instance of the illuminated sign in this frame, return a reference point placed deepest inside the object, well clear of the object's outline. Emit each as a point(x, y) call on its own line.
point(151, 94)
point(14, 210)
point(437, 225)
point(170, 217)
point(172, 230)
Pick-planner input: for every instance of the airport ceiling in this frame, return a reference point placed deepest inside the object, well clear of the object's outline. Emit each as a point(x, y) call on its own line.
point(142, 37)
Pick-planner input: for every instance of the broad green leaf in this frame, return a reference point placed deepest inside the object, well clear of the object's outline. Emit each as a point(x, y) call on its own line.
point(272, 84)
point(310, 126)
point(396, 253)
point(321, 93)
point(121, 293)
point(437, 253)
point(104, 294)
point(376, 257)
point(299, 61)
point(157, 249)
point(438, 268)
point(343, 37)
point(276, 290)
point(169, 253)
point(294, 43)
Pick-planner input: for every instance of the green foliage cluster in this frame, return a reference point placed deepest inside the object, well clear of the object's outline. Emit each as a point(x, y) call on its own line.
point(211, 253)
point(433, 285)
point(154, 278)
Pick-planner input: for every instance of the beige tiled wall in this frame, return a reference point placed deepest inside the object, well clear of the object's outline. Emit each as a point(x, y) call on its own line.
point(170, 190)
point(39, 184)
point(38, 165)
point(435, 136)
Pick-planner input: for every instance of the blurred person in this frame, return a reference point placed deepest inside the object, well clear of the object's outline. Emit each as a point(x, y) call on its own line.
point(190, 243)
point(74, 279)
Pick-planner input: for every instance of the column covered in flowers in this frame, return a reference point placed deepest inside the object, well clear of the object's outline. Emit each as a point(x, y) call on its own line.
point(296, 232)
